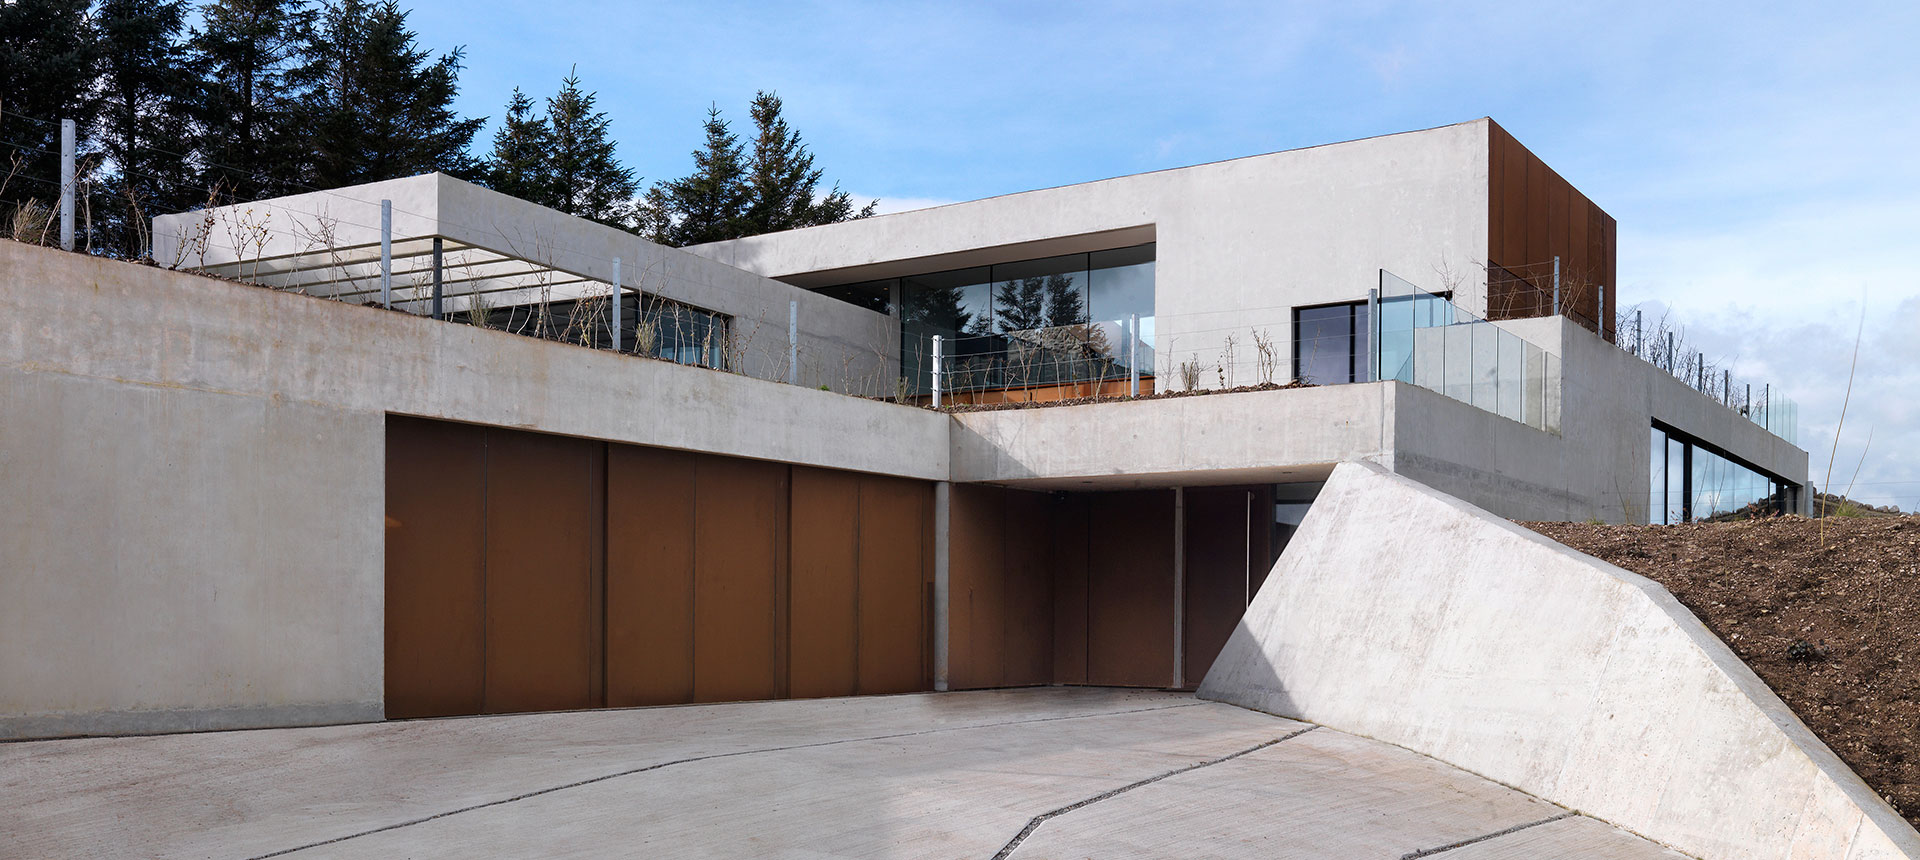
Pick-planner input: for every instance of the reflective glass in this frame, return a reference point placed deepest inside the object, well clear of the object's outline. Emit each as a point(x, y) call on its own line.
point(1323, 344)
point(876, 296)
point(1657, 478)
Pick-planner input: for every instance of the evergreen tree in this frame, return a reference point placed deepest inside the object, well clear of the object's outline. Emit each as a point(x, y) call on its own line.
point(48, 57)
point(517, 165)
point(375, 105)
point(710, 204)
point(1065, 306)
point(250, 119)
point(782, 181)
point(582, 172)
point(1019, 304)
point(145, 91)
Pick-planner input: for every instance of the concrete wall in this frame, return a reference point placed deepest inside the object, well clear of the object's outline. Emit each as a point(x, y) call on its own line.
point(842, 346)
point(1408, 616)
point(192, 474)
point(1240, 242)
point(1266, 436)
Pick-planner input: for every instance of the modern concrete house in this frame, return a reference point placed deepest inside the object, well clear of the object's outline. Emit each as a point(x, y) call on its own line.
point(417, 448)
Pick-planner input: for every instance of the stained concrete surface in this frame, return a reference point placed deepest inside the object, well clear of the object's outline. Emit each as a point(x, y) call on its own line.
point(1049, 772)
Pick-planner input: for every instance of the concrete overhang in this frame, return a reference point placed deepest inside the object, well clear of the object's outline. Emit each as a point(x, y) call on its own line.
point(1050, 247)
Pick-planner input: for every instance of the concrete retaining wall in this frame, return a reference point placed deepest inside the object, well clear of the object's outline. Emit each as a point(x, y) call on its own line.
point(192, 474)
point(1405, 615)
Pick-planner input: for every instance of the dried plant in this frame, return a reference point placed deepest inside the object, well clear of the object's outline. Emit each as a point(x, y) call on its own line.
point(1228, 346)
point(1266, 360)
point(1190, 374)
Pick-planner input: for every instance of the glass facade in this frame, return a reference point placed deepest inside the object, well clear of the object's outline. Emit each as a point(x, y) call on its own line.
point(1691, 482)
point(1025, 322)
point(1330, 343)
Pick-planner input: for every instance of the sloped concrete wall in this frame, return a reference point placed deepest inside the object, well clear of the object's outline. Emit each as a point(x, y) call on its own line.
point(1405, 615)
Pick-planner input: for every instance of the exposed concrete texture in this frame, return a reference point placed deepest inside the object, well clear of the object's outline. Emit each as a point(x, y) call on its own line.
point(1286, 435)
point(193, 477)
point(1400, 614)
point(1240, 242)
point(1106, 773)
point(844, 347)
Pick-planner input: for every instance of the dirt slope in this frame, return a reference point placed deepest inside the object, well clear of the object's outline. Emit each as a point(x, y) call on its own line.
point(1834, 630)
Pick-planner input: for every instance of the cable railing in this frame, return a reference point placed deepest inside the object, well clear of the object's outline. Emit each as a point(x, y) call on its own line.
point(1665, 347)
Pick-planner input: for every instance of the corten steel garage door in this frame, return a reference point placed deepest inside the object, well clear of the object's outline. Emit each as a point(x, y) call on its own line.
point(1228, 532)
point(536, 572)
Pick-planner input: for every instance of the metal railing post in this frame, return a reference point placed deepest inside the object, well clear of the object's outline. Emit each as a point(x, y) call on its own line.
point(1133, 355)
point(1669, 352)
point(1639, 334)
point(615, 322)
point(1373, 334)
point(1726, 386)
point(793, 342)
point(386, 254)
point(438, 308)
point(936, 371)
point(1556, 286)
point(66, 184)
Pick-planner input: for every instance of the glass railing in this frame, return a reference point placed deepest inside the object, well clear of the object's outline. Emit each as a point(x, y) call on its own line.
point(1423, 339)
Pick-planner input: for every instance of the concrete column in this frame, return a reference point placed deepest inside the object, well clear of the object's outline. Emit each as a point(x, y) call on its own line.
point(942, 582)
point(1179, 586)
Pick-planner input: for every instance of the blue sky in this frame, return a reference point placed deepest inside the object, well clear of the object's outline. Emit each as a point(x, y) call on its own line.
point(1761, 161)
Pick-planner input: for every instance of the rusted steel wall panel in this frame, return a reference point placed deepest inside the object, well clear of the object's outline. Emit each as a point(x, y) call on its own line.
point(893, 560)
point(1217, 572)
point(1130, 589)
point(435, 567)
point(1068, 545)
point(976, 596)
point(737, 566)
point(540, 602)
point(649, 598)
point(824, 629)
point(1028, 589)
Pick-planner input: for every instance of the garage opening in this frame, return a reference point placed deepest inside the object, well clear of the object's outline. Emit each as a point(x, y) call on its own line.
point(532, 572)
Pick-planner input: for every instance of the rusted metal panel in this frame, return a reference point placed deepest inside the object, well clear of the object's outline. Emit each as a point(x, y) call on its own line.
point(649, 596)
point(1218, 573)
point(894, 515)
point(1539, 245)
point(824, 576)
point(976, 571)
point(435, 568)
point(1130, 589)
point(1067, 524)
point(737, 567)
point(1513, 202)
point(539, 595)
point(1028, 654)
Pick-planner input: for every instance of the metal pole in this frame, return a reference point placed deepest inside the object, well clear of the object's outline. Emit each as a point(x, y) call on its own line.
point(615, 321)
point(1639, 334)
point(1373, 334)
point(1556, 286)
point(1726, 387)
point(1669, 352)
point(438, 309)
point(66, 185)
point(386, 254)
point(1700, 371)
point(1600, 309)
point(1747, 402)
point(793, 342)
point(1133, 355)
point(936, 371)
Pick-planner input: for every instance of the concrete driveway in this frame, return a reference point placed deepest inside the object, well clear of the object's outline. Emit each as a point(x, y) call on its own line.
point(1049, 772)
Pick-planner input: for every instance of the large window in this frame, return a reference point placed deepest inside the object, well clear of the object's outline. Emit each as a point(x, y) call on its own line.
point(1022, 322)
point(1330, 343)
point(1691, 482)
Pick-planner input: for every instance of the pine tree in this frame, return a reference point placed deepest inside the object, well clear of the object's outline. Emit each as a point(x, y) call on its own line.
point(1064, 303)
point(48, 56)
point(250, 119)
point(782, 181)
point(708, 205)
point(517, 165)
point(145, 91)
point(375, 105)
point(1019, 304)
point(582, 170)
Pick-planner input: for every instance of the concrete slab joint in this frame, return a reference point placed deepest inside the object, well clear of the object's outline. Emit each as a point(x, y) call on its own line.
point(1405, 615)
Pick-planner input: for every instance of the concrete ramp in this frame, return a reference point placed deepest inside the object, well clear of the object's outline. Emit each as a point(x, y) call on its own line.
point(1405, 615)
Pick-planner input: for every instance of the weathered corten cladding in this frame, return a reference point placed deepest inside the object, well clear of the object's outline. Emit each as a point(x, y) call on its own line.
point(1534, 215)
point(1228, 534)
point(536, 572)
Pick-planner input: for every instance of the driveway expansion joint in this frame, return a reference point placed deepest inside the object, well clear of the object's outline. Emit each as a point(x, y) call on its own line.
point(1428, 852)
point(1014, 843)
